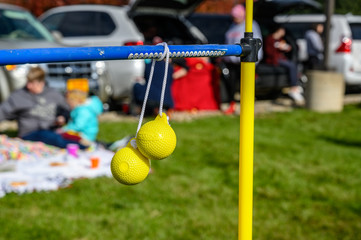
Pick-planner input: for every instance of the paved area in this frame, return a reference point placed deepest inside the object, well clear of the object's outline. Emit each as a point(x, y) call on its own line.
point(261, 107)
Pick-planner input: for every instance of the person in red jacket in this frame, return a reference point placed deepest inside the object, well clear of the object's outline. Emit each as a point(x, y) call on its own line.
point(275, 48)
point(192, 87)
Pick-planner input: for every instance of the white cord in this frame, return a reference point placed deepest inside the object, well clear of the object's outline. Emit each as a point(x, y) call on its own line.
point(146, 96)
point(165, 53)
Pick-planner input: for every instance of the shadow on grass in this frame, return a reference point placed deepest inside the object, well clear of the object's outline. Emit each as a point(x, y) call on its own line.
point(358, 105)
point(343, 142)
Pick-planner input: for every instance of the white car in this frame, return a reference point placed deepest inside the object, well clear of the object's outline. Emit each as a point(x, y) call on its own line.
point(96, 25)
point(106, 25)
point(344, 46)
point(20, 29)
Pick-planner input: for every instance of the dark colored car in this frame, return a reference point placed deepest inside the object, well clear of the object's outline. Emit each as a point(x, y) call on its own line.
point(166, 19)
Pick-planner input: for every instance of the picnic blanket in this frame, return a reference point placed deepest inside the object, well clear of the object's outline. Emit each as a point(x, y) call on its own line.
point(33, 166)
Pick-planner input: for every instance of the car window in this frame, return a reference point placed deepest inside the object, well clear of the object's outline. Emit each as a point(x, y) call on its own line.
point(356, 30)
point(21, 25)
point(81, 23)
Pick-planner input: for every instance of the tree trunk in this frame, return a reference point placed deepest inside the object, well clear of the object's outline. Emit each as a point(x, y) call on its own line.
point(330, 6)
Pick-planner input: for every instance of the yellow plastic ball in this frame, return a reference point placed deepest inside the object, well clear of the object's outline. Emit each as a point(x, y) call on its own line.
point(156, 139)
point(129, 166)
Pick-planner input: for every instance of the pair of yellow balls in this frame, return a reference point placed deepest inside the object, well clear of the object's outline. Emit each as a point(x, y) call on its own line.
point(155, 140)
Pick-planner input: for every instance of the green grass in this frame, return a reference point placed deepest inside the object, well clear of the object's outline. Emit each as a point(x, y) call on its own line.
point(307, 185)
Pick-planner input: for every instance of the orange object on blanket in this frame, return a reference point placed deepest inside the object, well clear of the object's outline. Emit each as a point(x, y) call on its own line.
point(94, 161)
point(196, 89)
point(18, 184)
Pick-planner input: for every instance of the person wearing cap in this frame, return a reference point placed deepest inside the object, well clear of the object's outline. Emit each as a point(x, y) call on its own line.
point(233, 36)
point(36, 108)
point(83, 125)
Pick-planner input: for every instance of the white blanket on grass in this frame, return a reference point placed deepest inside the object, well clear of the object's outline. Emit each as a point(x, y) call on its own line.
point(52, 172)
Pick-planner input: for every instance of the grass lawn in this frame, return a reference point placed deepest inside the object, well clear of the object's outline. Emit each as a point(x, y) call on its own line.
point(307, 185)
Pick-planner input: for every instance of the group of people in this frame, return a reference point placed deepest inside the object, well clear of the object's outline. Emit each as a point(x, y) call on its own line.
point(274, 48)
point(191, 83)
point(45, 115)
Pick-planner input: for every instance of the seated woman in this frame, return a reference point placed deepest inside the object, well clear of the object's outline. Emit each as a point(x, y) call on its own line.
point(275, 48)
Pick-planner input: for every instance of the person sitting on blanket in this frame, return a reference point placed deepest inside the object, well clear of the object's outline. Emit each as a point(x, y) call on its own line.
point(83, 125)
point(38, 110)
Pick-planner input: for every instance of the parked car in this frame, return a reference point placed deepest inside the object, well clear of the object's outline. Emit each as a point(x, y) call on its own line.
point(98, 25)
point(104, 25)
point(20, 29)
point(344, 46)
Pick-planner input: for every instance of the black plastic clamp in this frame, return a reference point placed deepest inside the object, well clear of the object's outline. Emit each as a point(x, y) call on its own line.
point(250, 47)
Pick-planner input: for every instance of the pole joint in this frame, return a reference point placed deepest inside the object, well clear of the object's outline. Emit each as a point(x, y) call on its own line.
point(250, 47)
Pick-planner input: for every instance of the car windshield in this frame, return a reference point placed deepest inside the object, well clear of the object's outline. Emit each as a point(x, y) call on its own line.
point(21, 25)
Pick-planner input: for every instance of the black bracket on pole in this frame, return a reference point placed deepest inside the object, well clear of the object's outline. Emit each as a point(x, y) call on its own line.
point(250, 47)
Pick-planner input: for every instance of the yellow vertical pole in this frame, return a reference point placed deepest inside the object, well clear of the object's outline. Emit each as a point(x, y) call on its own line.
point(246, 140)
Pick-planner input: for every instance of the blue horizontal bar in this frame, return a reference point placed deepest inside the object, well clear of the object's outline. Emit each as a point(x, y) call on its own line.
point(72, 54)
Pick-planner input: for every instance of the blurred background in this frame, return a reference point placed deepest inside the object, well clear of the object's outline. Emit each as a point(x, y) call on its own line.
point(37, 7)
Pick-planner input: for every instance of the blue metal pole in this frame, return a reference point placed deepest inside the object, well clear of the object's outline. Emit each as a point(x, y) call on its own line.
point(72, 54)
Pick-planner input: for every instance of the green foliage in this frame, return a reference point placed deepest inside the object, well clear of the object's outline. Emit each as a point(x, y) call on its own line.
point(306, 186)
point(345, 6)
